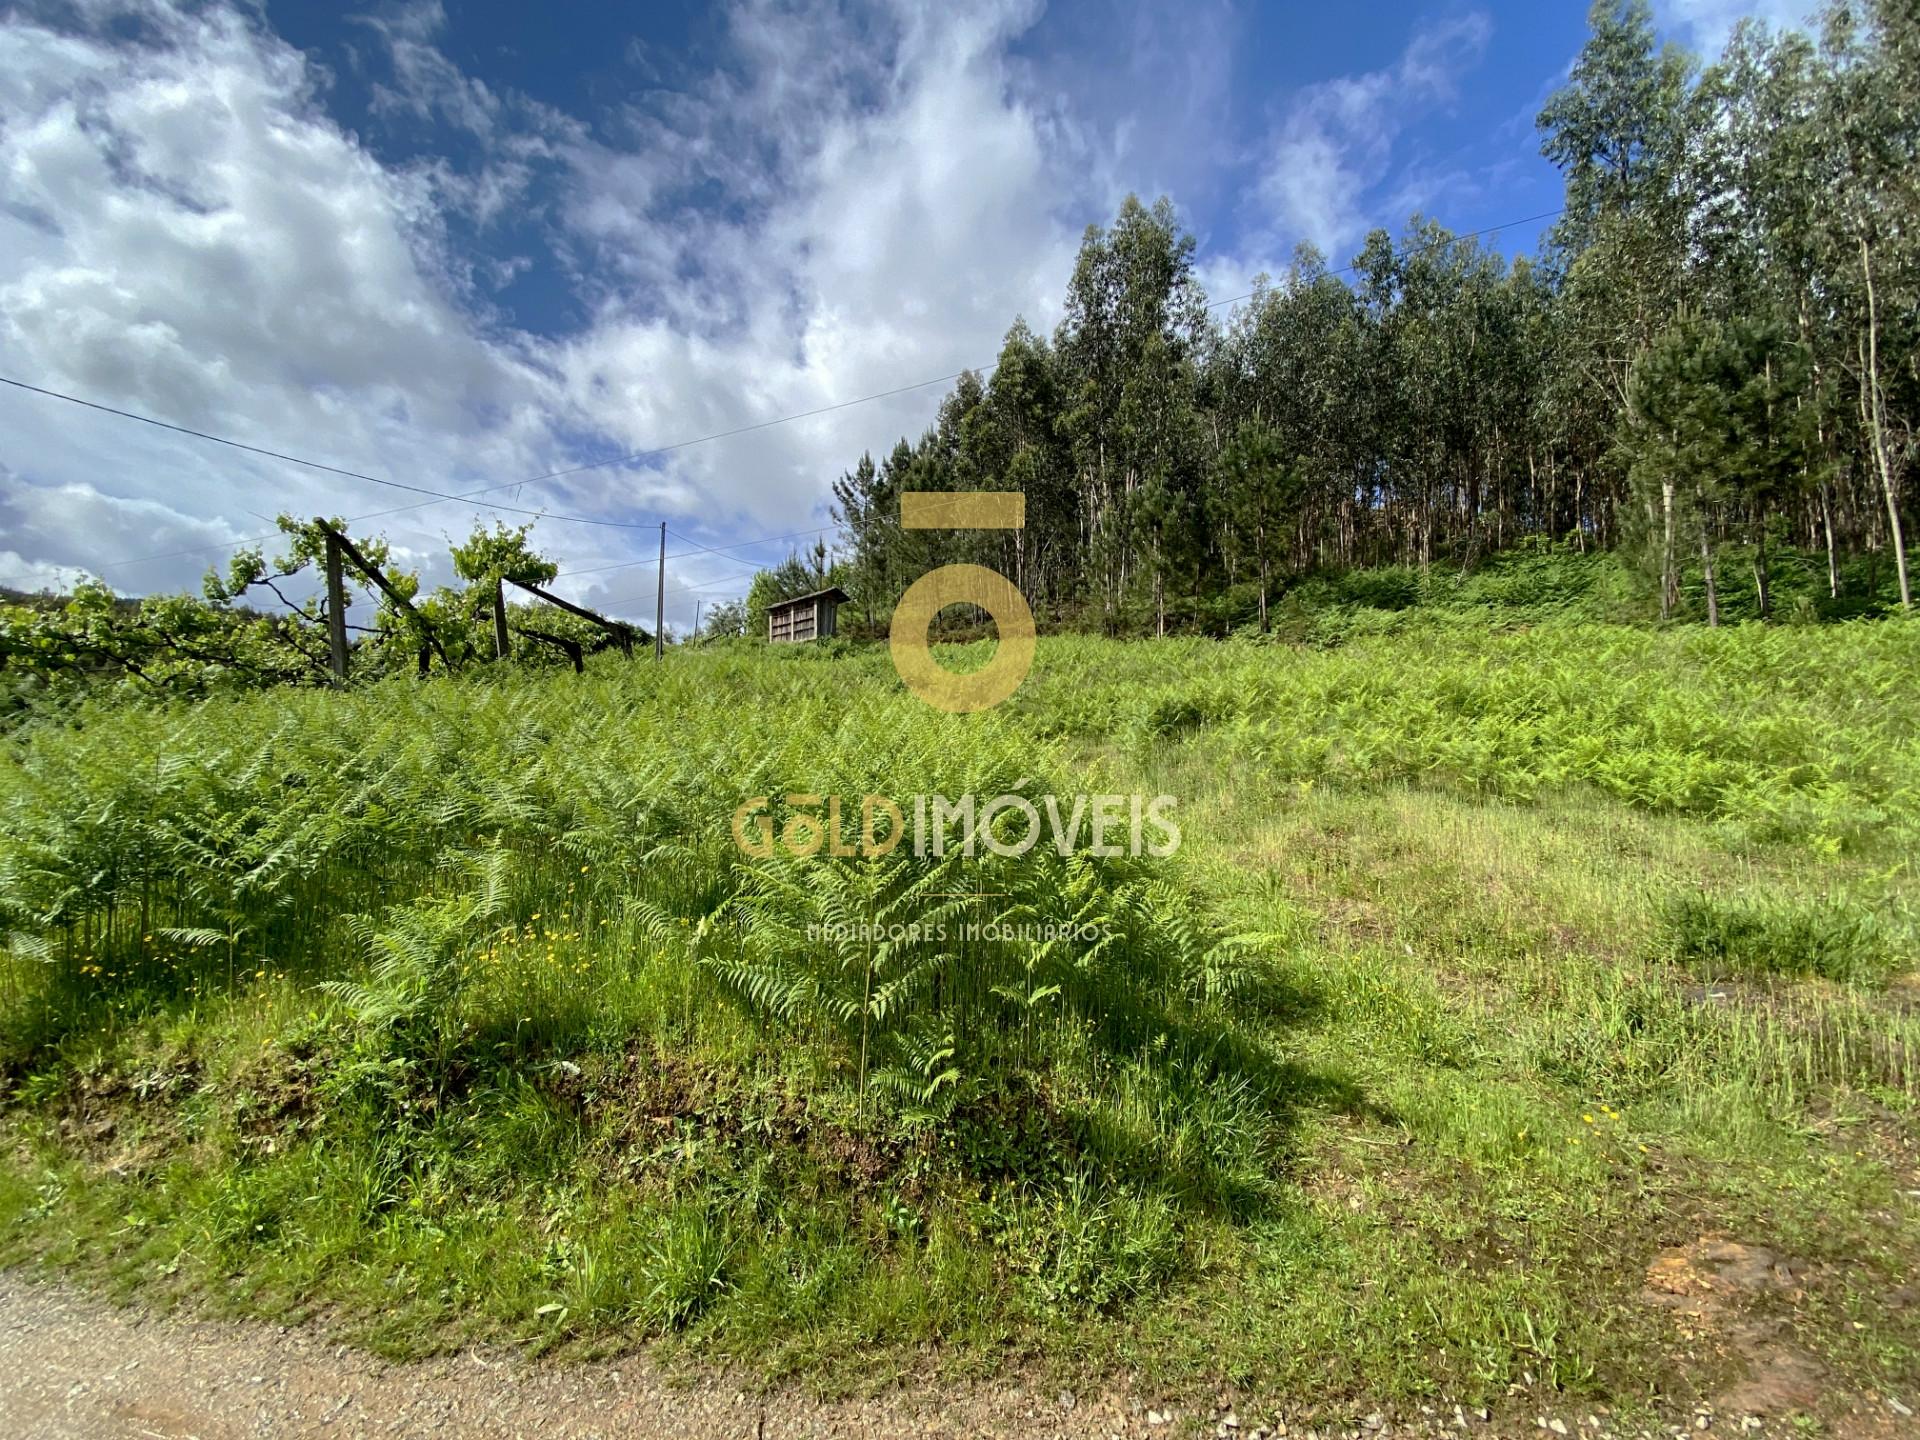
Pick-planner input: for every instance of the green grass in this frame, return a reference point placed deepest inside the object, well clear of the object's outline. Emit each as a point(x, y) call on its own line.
point(1492, 966)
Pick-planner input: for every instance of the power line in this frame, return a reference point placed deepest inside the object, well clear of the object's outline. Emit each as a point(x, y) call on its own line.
point(440, 496)
point(724, 549)
point(691, 589)
point(698, 548)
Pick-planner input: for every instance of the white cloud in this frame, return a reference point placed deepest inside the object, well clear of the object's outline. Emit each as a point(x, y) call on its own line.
point(40, 517)
point(890, 245)
point(1706, 24)
point(1335, 141)
point(185, 233)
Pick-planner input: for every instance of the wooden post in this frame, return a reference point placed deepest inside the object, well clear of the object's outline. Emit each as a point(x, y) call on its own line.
point(575, 651)
point(367, 568)
point(502, 647)
point(336, 612)
point(622, 634)
point(660, 598)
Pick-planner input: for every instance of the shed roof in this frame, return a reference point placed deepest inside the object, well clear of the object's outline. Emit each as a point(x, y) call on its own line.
point(832, 592)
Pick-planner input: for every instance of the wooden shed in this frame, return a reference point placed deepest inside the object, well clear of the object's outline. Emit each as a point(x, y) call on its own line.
point(805, 617)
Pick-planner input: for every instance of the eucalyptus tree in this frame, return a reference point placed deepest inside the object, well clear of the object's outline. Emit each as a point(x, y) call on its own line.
point(1871, 126)
point(1135, 317)
point(1014, 443)
point(1391, 437)
point(1261, 489)
point(1619, 130)
point(1290, 360)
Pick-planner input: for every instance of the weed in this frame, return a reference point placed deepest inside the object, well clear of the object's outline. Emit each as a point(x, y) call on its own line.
point(1762, 935)
point(454, 1008)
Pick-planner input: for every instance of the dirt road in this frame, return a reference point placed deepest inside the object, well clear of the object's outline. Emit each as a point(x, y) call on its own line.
point(73, 1367)
point(76, 1368)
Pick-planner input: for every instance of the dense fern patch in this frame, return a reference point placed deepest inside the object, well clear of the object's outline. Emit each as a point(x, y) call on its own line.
point(458, 1009)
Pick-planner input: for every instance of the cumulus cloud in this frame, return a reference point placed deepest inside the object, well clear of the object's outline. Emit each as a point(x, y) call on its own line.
point(888, 244)
point(1335, 143)
point(185, 232)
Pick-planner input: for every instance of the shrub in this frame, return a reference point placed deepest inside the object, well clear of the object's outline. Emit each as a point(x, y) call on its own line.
point(1391, 587)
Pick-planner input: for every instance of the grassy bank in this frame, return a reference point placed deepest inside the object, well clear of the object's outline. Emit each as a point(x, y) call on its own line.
point(1494, 968)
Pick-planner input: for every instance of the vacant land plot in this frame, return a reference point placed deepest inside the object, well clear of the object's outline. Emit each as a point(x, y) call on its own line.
point(1525, 1018)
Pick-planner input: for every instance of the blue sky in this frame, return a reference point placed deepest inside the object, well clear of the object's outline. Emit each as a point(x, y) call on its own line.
point(1189, 103)
point(454, 245)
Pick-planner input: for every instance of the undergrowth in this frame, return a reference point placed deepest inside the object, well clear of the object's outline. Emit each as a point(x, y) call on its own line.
point(455, 1011)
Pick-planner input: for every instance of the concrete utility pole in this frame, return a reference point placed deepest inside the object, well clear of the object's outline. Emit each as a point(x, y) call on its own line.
point(660, 597)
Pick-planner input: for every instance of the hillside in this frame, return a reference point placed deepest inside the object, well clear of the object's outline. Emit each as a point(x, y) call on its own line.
point(1503, 978)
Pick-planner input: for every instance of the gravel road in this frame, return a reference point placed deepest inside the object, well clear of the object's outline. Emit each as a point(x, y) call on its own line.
point(74, 1367)
point(77, 1368)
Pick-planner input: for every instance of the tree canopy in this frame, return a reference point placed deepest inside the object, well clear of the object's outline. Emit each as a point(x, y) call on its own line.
point(1727, 304)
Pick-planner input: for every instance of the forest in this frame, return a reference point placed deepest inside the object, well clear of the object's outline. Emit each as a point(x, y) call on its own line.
point(1700, 400)
point(1715, 351)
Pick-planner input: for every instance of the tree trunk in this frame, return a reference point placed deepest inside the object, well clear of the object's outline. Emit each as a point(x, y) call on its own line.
point(1669, 581)
point(1579, 508)
point(1159, 595)
point(1761, 588)
point(1833, 556)
point(1875, 416)
point(1263, 586)
point(1706, 568)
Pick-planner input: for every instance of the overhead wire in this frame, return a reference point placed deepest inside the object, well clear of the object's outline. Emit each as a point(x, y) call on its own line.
point(437, 497)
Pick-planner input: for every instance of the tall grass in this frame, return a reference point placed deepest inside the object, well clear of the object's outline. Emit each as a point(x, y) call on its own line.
point(456, 1002)
point(1801, 735)
point(418, 830)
